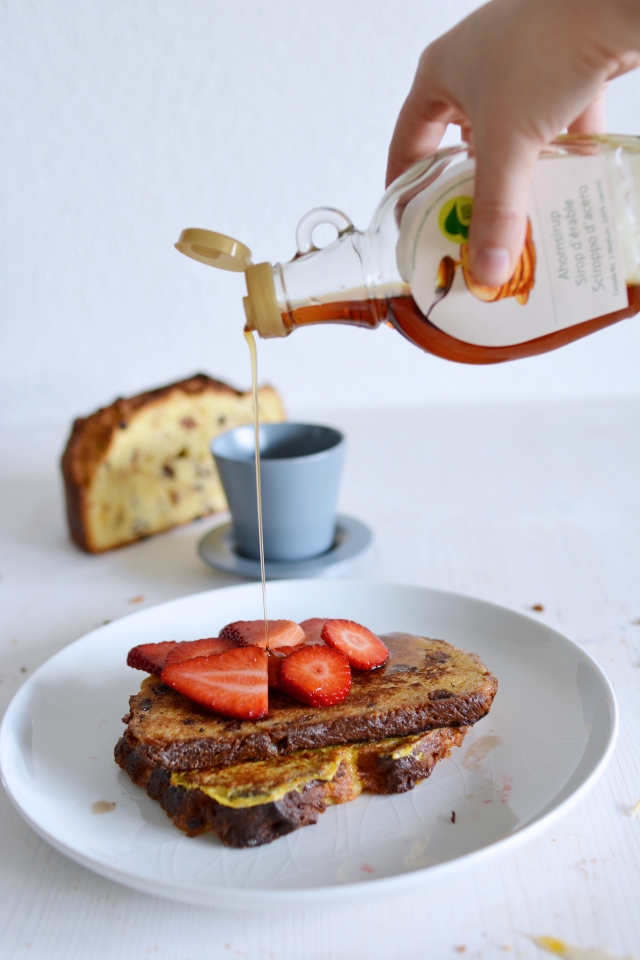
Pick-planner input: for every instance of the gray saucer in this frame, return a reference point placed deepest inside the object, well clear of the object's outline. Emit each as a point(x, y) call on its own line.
point(217, 549)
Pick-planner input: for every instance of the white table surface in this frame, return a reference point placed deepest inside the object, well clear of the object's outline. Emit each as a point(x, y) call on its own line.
point(519, 505)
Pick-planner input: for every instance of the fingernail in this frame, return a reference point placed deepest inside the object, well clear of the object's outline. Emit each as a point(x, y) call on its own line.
point(492, 266)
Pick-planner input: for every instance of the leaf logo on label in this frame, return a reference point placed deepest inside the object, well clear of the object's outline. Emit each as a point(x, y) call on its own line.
point(455, 217)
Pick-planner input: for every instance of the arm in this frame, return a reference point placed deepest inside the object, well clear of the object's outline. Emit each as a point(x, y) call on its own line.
point(514, 74)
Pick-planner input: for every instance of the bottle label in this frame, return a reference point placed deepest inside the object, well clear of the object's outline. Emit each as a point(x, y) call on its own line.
point(571, 268)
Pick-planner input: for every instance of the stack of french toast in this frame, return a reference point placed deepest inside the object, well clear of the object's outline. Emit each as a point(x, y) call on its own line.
point(254, 733)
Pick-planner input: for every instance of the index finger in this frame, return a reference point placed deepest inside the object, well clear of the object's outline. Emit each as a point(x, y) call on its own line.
point(418, 132)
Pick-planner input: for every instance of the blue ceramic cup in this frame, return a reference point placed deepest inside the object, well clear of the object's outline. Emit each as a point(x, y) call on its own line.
point(301, 465)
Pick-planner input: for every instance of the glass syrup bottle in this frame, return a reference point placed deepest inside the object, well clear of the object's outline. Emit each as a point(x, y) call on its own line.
point(579, 270)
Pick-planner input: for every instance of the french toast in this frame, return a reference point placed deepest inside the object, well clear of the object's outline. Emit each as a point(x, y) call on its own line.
point(425, 684)
point(249, 804)
point(251, 781)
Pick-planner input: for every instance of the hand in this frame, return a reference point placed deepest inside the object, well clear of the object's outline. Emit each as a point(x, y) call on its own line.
point(513, 75)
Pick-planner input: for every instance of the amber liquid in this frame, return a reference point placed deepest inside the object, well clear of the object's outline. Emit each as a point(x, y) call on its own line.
point(256, 432)
point(403, 314)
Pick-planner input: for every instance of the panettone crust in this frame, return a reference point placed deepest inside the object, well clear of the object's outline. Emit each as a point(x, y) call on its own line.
point(94, 438)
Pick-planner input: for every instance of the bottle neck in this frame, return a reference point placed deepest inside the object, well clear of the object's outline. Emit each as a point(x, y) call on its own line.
point(331, 285)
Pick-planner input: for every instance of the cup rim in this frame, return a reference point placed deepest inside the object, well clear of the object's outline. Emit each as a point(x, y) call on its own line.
point(306, 457)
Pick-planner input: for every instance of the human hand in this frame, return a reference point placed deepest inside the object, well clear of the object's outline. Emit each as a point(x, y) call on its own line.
point(513, 75)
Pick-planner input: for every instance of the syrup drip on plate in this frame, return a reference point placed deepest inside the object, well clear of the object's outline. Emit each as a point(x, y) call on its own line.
point(248, 335)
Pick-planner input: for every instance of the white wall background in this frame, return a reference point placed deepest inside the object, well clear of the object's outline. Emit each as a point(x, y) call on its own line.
point(123, 121)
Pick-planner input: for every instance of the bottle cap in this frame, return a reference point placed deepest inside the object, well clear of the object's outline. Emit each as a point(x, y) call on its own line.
point(214, 249)
point(225, 253)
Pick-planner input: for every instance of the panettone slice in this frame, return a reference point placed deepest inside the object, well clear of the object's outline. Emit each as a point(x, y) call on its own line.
point(143, 464)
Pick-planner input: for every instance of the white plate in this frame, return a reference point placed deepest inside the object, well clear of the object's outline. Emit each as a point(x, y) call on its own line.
point(550, 734)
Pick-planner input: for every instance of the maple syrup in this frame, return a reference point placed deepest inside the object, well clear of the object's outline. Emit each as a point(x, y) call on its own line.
point(407, 653)
point(403, 314)
point(256, 432)
point(408, 319)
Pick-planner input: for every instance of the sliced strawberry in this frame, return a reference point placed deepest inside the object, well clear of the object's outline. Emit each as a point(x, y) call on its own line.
point(363, 649)
point(313, 629)
point(233, 683)
point(150, 656)
point(249, 633)
point(316, 675)
point(189, 649)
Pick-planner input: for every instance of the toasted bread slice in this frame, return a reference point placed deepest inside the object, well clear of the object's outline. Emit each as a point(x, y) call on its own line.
point(425, 684)
point(253, 803)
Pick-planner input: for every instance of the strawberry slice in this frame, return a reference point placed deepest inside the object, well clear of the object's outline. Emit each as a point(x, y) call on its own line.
point(189, 649)
point(317, 675)
point(361, 647)
point(249, 633)
point(313, 629)
point(150, 656)
point(233, 683)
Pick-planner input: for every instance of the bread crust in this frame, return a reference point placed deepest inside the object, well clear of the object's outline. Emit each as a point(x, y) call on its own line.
point(385, 771)
point(92, 436)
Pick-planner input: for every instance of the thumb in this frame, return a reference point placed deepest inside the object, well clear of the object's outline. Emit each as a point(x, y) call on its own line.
point(499, 221)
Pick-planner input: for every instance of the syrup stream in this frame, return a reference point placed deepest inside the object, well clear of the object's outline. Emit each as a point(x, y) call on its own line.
point(248, 335)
